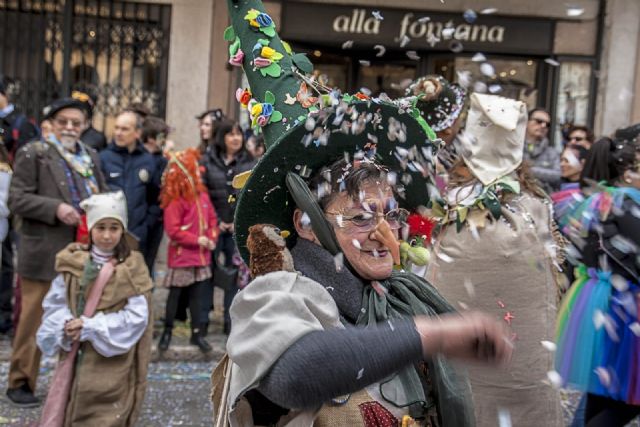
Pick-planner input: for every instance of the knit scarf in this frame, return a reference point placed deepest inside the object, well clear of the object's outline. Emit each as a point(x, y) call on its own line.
point(399, 296)
point(80, 162)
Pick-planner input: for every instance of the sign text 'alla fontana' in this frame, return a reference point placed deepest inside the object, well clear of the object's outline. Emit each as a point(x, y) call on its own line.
point(329, 24)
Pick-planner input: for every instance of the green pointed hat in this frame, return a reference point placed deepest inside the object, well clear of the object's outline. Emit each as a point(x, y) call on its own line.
point(308, 127)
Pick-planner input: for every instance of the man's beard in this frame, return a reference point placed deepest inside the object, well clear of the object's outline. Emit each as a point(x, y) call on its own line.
point(68, 141)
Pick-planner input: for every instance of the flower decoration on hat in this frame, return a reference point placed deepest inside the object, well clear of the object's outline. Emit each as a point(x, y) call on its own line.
point(236, 55)
point(263, 113)
point(244, 97)
point(266, 59)
point(261, 21)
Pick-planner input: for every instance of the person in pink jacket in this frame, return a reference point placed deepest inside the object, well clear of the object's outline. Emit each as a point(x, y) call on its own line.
point(191, 223)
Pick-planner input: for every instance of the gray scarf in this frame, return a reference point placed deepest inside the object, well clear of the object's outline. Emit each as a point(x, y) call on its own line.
point(406, 295)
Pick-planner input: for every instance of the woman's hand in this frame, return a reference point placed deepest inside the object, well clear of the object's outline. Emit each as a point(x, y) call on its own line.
point(203, 241)
point(471, 336)
point(72, 329)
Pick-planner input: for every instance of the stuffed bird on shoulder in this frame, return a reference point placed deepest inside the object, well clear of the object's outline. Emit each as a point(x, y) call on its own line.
point(268, 250)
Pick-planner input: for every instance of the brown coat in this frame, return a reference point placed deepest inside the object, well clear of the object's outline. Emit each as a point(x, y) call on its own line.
point(108, 391)
point(38, 187)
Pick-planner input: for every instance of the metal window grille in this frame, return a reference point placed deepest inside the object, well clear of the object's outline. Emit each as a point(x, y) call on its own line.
point(116, 51)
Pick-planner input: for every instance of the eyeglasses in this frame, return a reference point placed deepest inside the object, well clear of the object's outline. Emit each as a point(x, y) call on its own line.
point(64, 122)
point(542, 122)
point(367, 221)
point(577, 138)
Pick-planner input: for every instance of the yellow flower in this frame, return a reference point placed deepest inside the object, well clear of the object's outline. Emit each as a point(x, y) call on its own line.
point(256, 110)
point(254, 23)
point(267, 52)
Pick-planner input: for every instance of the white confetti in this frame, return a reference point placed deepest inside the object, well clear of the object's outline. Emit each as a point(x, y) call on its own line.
point(432, 40)
point(488, 11)
point(554, 379)
point(478, 57)
point(338, 261)
point(364, 62)
point(470, 16)
point(381, 50)
point(574, 11)
point(375, 253)
point(465, 78)
point(404, 40)
point(376, 14)
point(479, 87)
point(635, 328)
point(495, 88)
point(391, 325)
point(448, 32)
point(487, 69)
point(356, 244)
point(360, 373)
point(444, 257)
point(552, 62)
point(463, 305)
point(424, 19)
point(548, 345)
point(468, 286)
point(348, 44)
point(412, 54)
point(619, 282)
point(603, 376)
point(504, 418)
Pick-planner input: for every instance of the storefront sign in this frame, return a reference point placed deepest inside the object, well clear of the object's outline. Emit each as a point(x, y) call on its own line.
point(331, 24)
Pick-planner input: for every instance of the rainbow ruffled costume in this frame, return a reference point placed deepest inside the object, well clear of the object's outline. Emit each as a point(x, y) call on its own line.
point(598, 329)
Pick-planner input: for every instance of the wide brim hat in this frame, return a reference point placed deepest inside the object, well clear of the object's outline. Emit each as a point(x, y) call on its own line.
point(63, 103)
point(306, 131)
point(440, 102)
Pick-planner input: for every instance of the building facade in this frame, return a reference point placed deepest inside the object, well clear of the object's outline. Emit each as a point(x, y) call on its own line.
point(580, 61)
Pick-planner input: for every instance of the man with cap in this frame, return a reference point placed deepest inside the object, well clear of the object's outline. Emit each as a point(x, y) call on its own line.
point(91, 136)
point(51, 178)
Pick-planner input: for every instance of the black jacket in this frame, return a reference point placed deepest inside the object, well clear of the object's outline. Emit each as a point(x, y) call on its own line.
point(137, 175)
point(16, 130)
point(94, 138)
point(218, 177)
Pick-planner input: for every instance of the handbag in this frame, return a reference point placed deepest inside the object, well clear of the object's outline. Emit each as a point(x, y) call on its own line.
point(56, 404)
point(225, 277)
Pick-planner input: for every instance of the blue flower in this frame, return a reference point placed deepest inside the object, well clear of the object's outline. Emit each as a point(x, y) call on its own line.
point(264, 20)
point(267, 109)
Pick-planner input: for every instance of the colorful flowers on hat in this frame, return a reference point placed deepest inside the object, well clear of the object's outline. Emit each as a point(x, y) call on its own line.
point(260, 21)
point(236, 55)
point(263, 113)
point(266, 59)
point(304, 96)
point(243, 96)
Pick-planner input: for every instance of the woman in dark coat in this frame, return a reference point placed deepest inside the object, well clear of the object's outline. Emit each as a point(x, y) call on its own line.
point(223, 160)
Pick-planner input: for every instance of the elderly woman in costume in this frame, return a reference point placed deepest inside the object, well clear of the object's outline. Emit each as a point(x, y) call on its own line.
point(327, 334)
point(96, 316)
point(496, 253)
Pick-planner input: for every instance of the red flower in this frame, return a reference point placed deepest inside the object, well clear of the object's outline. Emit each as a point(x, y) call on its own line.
point(362, 96)
point(420, 226)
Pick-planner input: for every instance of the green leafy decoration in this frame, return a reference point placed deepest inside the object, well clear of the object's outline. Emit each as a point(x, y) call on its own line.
point(273, 70)
point(269, 97)
point(275, 117)
point(270, 30)
point(277, 56)
point(252, 14)
point(229, 34)
point(263, 42)
point(302, 62)
point(234, 47)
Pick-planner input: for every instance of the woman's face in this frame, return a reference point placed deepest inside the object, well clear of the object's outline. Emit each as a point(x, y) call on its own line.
point(206, 128)
point(369, 257)
point(571, 165)
point(233, 141)
point(106, 234)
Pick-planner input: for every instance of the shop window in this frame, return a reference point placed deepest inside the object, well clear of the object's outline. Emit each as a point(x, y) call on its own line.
point(572, 102)
point(391, 79)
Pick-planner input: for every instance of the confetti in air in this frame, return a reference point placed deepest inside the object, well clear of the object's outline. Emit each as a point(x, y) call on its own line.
point(348, 44)
point(478, 57)
point(376, 14)
point(504, 418)
point(413, 55)
point(444, 257)
point(381, 50)
point(548, 345)
point(552, 62)
point(356, 244)
point(338, 261)
point(554, 379)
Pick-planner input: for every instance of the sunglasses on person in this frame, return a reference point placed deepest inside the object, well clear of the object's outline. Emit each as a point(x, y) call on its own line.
point(577, 138)
point(541, 122)
point(62, 122)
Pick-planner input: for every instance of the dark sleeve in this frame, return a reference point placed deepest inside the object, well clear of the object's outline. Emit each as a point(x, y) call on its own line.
point(27, 132)
point(326, 364)
point(97, 170)
point(24, 199)
point(629, 223)
point(154, 213)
